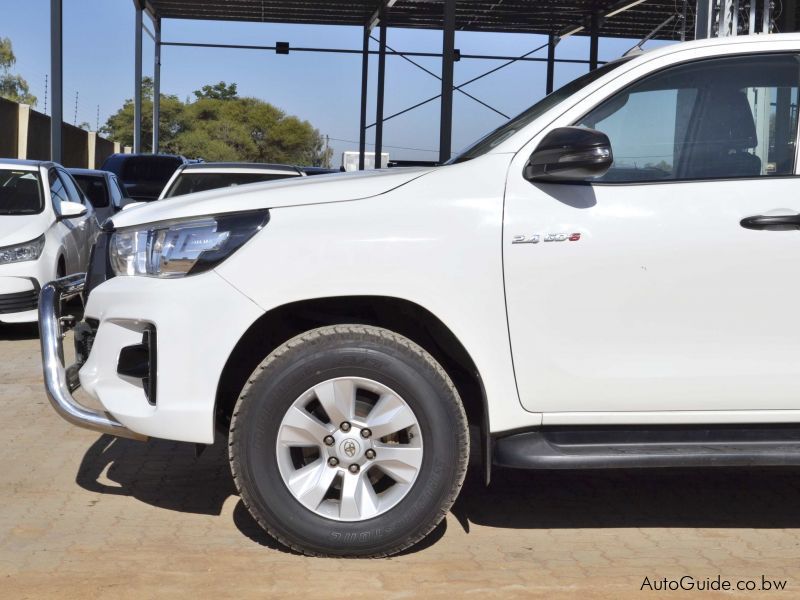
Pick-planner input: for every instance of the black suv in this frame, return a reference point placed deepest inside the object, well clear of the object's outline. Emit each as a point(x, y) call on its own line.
point(143, 175)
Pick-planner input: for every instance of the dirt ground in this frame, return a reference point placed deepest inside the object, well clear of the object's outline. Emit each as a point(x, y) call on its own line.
point(85, 516)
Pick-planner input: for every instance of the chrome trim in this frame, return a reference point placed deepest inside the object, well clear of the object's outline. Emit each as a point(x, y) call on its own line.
point(60, 381)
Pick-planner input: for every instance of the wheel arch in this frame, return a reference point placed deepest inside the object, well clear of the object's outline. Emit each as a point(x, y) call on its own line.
point(407, 318)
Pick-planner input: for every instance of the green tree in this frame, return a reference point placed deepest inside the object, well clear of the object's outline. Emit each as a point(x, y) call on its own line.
point(219, 91)
point(221, 126)
point(119, 126)
point(12, 87)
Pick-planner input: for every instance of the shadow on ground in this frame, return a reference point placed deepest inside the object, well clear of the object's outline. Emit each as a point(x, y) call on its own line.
point(169, 475)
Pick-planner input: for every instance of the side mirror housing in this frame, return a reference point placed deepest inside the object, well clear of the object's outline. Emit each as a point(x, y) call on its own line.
point(570, 154)
point(72, 210)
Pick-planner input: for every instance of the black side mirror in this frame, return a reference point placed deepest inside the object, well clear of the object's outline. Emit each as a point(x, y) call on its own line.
point(570, 154)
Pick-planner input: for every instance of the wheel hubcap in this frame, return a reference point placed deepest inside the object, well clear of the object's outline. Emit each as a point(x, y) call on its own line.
point(349, 449)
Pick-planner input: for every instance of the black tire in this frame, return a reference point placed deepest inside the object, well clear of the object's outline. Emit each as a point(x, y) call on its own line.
point(348, 351)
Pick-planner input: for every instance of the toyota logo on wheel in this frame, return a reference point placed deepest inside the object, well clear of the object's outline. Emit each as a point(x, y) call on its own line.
point(350, 448)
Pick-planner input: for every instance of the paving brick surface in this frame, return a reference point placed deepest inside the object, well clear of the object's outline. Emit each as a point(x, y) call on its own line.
point(84, 516)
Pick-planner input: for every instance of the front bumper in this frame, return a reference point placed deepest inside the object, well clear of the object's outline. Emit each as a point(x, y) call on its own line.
point(59, 380)
point(19, 290)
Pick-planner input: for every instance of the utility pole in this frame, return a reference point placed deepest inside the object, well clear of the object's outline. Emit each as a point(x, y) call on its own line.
point(45, 93)
point(75, 116)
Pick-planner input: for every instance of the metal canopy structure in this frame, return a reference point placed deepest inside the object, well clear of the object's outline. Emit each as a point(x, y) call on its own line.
point(637, 19)
point(502, 16)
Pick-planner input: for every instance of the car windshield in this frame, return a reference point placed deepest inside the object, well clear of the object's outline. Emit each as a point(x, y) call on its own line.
point(95, 189)
point(20, 192)
point(505, 131)
point(189, 182)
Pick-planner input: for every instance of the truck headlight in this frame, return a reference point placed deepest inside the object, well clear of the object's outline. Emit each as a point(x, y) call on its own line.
point(182, 247)
point(21, 252)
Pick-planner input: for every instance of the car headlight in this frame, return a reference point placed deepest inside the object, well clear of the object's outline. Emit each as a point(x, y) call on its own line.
point(182, 247)
point(22, 252)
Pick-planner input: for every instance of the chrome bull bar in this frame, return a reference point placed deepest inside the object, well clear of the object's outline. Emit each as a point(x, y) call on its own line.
point(60, 381)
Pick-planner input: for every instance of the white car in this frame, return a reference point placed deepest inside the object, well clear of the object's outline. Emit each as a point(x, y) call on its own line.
point(47, 228)
point(200, 177)
point(607, 280)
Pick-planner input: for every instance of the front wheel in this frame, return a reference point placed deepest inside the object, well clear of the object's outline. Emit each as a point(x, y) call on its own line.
point(349, 440)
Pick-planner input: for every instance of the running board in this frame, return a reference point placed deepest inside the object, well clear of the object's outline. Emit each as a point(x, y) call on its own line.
point(603, 447)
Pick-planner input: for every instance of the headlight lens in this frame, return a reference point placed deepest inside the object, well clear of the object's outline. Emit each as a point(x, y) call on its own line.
point(22, 252)
point(186, 247)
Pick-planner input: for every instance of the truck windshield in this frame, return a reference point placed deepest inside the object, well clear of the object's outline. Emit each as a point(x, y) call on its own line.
point(20, 192)
point(505, 131)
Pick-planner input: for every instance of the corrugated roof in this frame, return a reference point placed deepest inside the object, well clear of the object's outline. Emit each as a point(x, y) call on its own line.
point(519, 16)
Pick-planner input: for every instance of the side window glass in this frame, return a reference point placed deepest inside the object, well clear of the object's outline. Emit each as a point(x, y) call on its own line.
point(57, 192)
point(122, 190)
point(717, 118)
point(74, 195)
point(116, 192)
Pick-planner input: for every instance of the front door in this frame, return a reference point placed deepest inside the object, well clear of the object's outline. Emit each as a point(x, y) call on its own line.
point(643, 291)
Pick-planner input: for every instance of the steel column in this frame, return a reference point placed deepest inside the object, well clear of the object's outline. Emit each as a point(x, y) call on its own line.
point(725, 18)
point(362, 137)
point(156, 83)
point(56, 79)
point(766, 26)
point(448, 59)
point(594, 39)
point(789, 17)
point(381, 86)
point(137, 91)
point(552, 40)
point(684, 19)
point(703, 17)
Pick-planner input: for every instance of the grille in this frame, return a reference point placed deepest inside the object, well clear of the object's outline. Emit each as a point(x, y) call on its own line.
point(19, 302)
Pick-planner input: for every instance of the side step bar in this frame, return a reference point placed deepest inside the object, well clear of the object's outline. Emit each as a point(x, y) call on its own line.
point(602, 447)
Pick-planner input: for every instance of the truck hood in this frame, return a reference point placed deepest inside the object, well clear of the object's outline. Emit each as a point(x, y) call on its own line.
point(295, 191)
point(22, 228)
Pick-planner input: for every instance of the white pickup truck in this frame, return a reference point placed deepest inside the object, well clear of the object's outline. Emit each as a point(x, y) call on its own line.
point(607, 280)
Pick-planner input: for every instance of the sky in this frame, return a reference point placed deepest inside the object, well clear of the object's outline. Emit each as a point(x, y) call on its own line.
point(321, 88)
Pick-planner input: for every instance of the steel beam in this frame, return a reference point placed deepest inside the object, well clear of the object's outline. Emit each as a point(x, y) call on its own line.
point(56, 79)
point(552, 40)
point(137, 90)
point(156, 83)
point(448, 60)
point(401, 53)
point(362, 135)
point(381, 89)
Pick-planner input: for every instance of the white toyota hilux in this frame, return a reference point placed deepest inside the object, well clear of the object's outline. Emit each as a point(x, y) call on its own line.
point(607, 280)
